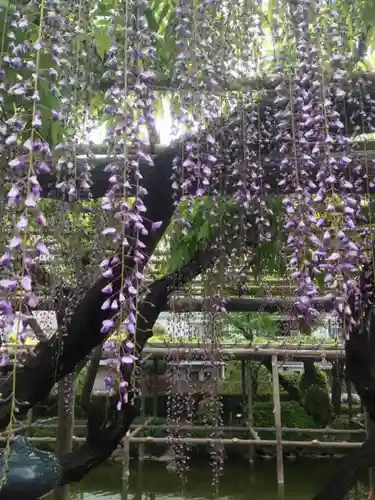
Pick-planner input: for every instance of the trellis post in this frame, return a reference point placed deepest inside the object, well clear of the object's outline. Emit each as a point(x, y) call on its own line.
point(277, 412)
point(155, 392)
point(370, 432)
point(141, 448)
point(250, 416)
point(65, 426)
point(125, 467)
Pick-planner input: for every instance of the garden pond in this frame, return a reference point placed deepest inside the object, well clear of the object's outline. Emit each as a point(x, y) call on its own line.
point(153, 482)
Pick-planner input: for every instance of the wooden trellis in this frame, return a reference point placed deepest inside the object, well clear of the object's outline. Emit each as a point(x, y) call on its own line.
point(140, 433)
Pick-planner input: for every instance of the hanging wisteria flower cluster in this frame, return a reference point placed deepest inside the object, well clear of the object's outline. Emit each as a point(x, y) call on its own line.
point(323, 213)
point(242, 145)
point(24, 136)
point(129, 106)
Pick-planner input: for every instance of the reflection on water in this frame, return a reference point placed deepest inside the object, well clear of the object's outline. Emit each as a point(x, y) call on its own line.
point(153, 482)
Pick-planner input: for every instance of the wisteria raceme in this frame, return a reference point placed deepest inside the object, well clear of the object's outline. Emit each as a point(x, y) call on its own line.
point(28, 152)
point(301, 125)
point(297, 135)
point(325, 211)
point(73, 174)
point(129, 65)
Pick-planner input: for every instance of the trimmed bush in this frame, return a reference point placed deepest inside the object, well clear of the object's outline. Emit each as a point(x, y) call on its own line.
point(292, 415)
point(317, 404)
point(293, 378)
point(313, 376)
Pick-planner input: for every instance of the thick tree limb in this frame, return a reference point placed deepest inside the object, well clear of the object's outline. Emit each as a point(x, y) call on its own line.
point(349, 110)
point(92, 371)
point(94, 452)
point(33, 324)
point(360, 370)
point(83, 333)
point(348, 472)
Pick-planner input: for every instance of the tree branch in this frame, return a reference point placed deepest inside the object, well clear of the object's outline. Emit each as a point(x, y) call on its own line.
point(348, 472)
point(360, 358)
point(33, 324)
point(92, 371)
point(225, 130)
point(49, 363)
point(95, 451)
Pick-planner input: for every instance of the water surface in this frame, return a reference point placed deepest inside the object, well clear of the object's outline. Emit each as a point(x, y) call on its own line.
point(153, 482)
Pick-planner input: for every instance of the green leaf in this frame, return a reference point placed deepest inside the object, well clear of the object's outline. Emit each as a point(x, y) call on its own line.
point(151, 20)
point(56, 132)
point(4, 3)
point(102, 40)
point(271, 8)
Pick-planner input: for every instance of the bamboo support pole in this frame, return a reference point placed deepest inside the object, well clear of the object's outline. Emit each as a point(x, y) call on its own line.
point(282, 350)
point(250, 417)
point(224, 428)
point(166, 83)
point(64, 441)
point(286, 352)
point(246, 442)
point(125, 467)
point(243, 380)
point(277, 412)
point(370, 432)
point(263, 304)
point(141, 427)
point(199, 428)
point(101, 151)
point(155, 389)
point(141, 447)
point(224, 441)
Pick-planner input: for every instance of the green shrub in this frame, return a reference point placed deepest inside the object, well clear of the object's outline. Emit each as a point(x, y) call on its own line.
point(293, 378)
point(292, 415)
point(232, 384)
point(344, 422)
point(208, 409)
point(317, 404)
point(313, 376)
point(264, 382)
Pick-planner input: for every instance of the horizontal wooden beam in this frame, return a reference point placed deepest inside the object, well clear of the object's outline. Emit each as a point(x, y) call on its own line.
point(200, 428)
point(262, 304)
point(255, 304)
point(211, 441)
point(258, 442)
point(285, 353)
point(160, 350)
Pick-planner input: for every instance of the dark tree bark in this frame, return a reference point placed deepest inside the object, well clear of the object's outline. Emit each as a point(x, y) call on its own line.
point(350, 113)
point(101, 444)
point(348, 473)
point(83, 331)
point(88, 385)
point(360, 370)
